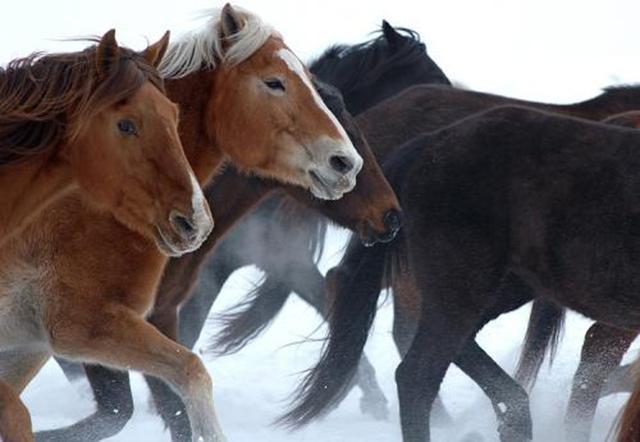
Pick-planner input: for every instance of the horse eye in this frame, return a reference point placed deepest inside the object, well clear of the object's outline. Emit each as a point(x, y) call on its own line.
point(274, 84)
point(127, 127)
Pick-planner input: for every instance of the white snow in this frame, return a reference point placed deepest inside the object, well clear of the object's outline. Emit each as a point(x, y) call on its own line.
point(251, 387)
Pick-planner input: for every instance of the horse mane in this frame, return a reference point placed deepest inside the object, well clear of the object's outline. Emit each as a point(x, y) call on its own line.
point(204, 48)
point(622, 87)
point(46, 99)
point(372, 64)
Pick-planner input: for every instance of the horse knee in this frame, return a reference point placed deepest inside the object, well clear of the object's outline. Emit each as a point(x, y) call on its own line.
point(194, 375)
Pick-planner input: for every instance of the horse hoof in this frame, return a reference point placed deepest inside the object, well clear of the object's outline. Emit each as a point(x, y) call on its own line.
point(376, 408)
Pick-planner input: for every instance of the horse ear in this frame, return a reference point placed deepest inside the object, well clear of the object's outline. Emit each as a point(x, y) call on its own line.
point(230, 21)
point(392, 36)
point(107, 52)
point(155, 52)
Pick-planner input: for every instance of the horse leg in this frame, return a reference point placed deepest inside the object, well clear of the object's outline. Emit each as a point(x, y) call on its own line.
point(308, 283)
point(15, 422)
point(194, 312)
point(404, 327)
point(168, 404)
point(602, 352)
point(112, 392)
point(73, 371)
point(510, 401)
point(110, 342)
point(17, 368)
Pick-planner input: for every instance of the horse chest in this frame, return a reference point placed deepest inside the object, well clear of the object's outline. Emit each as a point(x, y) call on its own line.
point(20, 307)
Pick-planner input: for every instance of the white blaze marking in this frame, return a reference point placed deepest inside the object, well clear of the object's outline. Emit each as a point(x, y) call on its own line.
point(197, 202)
point(297, 68)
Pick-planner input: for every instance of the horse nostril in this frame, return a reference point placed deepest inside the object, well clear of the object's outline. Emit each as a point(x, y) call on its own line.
point(183, 226)
point(392, 220)
point(341, 164)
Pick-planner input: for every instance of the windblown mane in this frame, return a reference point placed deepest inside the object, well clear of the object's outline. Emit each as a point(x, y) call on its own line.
point(205, 47)
point(46, 99)
point(373, 61)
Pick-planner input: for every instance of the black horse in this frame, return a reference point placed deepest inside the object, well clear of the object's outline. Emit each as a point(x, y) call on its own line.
point(501, 207)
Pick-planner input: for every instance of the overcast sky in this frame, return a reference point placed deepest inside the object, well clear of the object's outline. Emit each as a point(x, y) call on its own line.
point(554, 50)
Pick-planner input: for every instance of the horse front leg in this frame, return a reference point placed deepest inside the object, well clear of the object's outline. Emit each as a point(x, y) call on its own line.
point(120, 338)
point(15, 422)
point(510, 401)
point(168, 404)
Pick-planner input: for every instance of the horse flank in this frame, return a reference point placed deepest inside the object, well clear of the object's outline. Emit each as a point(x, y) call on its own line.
point(45, 99)
point(205, 47)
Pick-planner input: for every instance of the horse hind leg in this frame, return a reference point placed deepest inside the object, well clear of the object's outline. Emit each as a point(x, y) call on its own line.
point(127, 341)
point(602, 352)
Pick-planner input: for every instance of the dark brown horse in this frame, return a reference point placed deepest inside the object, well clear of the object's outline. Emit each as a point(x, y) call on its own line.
point(501, 207)
point(598, 373)
point(370, 207)
point(425, 108)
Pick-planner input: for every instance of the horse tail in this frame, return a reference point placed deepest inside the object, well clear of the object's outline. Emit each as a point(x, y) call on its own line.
point(628, 427)
point(355, 285)
point(351, 315)
point(544, 332)
point(245, 321)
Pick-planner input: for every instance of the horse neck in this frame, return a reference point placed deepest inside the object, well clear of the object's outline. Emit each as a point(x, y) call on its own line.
point(29, 187)
point(191, 93)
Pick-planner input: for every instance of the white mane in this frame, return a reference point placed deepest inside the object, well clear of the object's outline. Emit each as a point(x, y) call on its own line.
point(203, 48)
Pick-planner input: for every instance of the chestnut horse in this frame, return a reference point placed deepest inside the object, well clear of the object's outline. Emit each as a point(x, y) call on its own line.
point(355, 209)
point(78, 282)
point(469, 191)
point(97, 119)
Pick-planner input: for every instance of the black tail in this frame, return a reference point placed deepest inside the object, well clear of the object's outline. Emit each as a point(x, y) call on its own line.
point(350, 318)
point(544, 332)
point(247, 320)
point(358, 281)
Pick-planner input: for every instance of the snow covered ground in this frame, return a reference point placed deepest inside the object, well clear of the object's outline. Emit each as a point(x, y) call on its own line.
point(251, 387)
point(535, 49)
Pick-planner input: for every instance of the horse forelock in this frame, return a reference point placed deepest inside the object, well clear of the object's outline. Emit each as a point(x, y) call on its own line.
point(46, 99)
point(206, 47)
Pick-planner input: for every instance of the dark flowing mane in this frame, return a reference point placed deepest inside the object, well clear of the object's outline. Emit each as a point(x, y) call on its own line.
point(374, 59)
point(46, 99)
